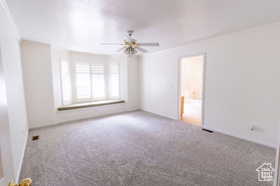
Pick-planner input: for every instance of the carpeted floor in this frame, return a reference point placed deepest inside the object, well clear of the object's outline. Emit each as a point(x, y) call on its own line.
point(140, 149)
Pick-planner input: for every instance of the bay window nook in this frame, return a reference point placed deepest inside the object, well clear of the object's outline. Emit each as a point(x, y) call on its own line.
point(86, 80)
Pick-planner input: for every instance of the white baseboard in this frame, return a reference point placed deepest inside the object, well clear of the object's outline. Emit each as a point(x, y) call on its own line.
point(22, 157)
point(243, 138)
point(220, 131)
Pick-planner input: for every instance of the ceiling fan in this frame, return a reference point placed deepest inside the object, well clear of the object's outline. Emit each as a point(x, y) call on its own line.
point(131, 46)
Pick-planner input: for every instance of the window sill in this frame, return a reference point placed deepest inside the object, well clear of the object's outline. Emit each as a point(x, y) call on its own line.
point(90, 104)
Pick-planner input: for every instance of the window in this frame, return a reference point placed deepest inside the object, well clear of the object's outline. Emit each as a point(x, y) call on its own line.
point(114, 81)
point(83, 82)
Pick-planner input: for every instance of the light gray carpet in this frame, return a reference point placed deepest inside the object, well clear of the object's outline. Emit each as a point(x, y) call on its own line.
point(140, 149)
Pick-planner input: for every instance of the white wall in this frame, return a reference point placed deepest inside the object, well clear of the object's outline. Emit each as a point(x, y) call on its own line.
point(37, 80)
point(40, 63)
point(242, 74)
point(10, 57)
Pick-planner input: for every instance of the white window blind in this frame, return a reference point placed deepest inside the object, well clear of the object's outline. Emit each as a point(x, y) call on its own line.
point(98, 81)
point(114, 80)
point(83, 81)
point(88, 82)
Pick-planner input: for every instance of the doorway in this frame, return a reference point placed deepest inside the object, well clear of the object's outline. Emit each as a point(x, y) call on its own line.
point(192, 89)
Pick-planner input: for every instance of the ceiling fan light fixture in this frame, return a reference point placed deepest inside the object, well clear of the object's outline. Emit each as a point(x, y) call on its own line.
point(130, 51)
point(131, 46)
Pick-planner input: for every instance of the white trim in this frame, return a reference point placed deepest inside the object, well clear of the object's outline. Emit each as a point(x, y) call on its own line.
point(277, 168)
point(22, 157)
point(106, 74)
point(240, 137)
point(1, 156)
point(204, 55)
point(60, 81)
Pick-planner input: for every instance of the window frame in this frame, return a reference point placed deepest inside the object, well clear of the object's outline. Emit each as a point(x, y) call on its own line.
point(73, 77)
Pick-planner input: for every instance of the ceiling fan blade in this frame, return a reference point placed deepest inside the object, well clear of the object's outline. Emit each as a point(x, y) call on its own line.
point(149, 44)
point(142, 49)
point(112, 43)
point(121, 49)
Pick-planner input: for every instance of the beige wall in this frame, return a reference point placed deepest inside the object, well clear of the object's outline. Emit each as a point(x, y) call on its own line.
point(192, 77)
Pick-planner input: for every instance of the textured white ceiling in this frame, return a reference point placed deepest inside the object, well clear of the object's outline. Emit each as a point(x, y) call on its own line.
point(83, 24)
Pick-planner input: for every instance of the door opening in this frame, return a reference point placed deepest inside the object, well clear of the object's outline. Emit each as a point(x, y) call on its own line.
point(192, 89)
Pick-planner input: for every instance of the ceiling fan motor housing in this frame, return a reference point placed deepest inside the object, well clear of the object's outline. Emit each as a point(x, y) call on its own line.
point(130, 32)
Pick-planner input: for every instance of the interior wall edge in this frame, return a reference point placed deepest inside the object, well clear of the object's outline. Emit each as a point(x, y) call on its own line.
point(277, 168)
point(22, 157)
point(11, 59)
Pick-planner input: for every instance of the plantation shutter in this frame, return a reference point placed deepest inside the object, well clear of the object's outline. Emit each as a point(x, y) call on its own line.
point(98, 81)
point(83, 82)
